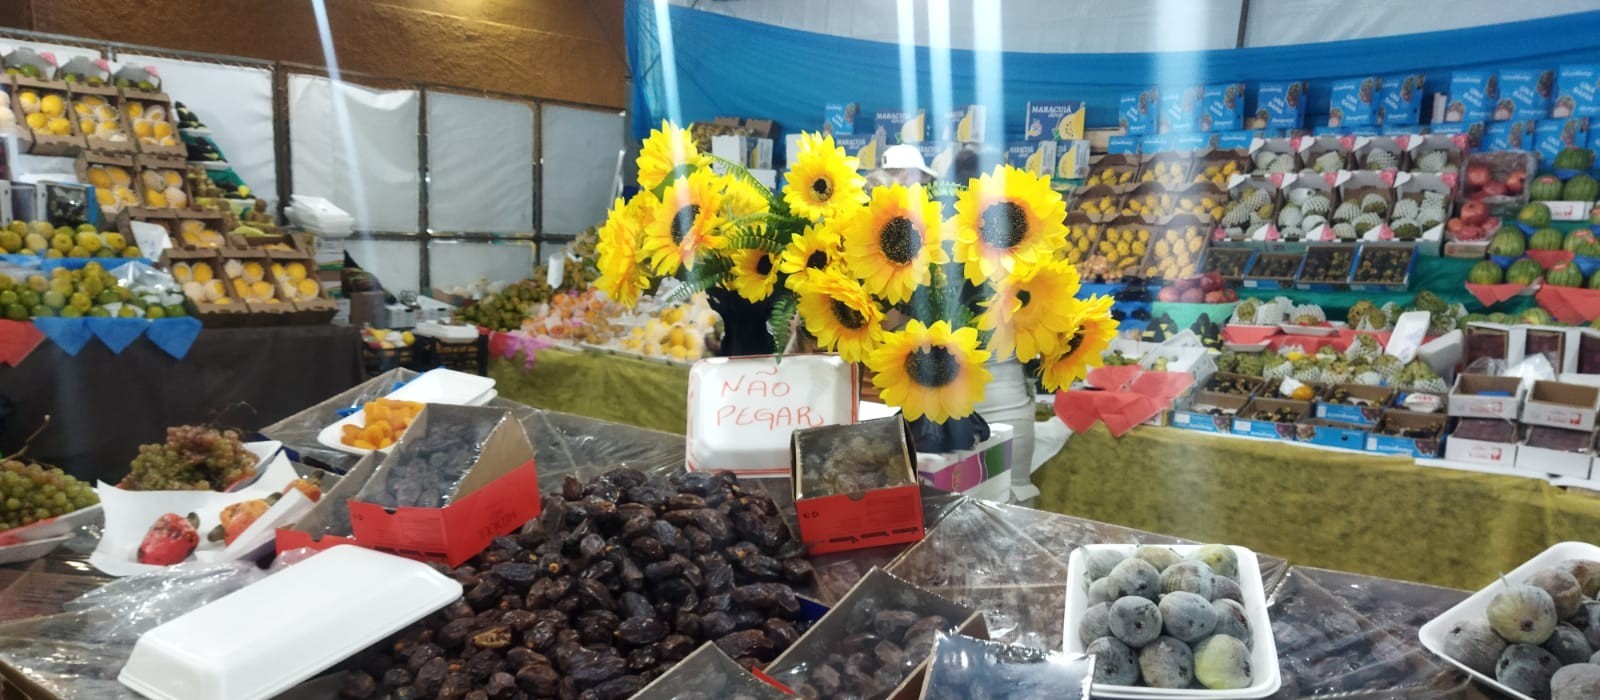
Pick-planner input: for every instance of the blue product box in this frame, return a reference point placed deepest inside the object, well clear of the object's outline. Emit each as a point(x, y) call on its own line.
point(1473, 131)
point(1194, 141)
point(1336, 434)
point(1238, 140)
point(1577, 91)
point(1201, 422)
point(1123, 144)
point(1282, 105)
point(1525, 93)
point(1038, 158)
point(1222, 107)
point(865, 147)
point(1055, 120)
point(1515, 135)
point(1376, 397)
point(1552, 135)
point(901, 126)
point(1356, 102)
point(1270, 429)
point(841, 117)
point(1137, 111)
point(965, 125)
point(1160, 143)
point(1473, 95)
point(1402, 98)
point(1180, 110)
point(1410, 447)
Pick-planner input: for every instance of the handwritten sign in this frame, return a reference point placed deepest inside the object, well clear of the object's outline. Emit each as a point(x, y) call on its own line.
point(742, 411)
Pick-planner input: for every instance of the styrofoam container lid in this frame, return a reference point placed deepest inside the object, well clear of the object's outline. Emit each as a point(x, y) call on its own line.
point(263, 639)
point(441, 385)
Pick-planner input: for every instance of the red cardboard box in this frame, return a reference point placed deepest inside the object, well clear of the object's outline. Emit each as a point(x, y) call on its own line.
point(499, 493)
point(325, 525)
point(857, 519)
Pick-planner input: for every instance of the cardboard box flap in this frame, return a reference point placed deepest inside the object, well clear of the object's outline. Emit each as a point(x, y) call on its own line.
point(331, 514)
point(478, 444)
point(867, 455)
point(711, 673)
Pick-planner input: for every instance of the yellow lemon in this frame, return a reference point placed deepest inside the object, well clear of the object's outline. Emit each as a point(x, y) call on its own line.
point(52, 105)
point(29, 101)
point(83, 109)
point(125, 194)
point(37, 121)
point(162, 130)
point(119, 176)
point(59, 126)
point(105, 197)
point(142, 128)
point(135, 110)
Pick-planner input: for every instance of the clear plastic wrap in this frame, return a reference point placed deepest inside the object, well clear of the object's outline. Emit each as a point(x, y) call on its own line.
point(299, 431)
point(964, 668)
point(708, 674)
point(434, 457)
point(78, 653)
point(1327, 649)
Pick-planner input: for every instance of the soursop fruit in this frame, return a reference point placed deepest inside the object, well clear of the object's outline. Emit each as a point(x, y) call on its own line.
point(1379, 159)
point(1284, 163)
point(1253, 198)
point(1291, 233)
point(1347, 211)
point(1332, 161)
point(1435, 199)
point(1407, 209)
point(1367, 222)
point(1433, 162)
point(1345, 231)
point(1311, 222)
point(1290, 216)
point(1374, 203)
point(1406, 229)
point(1263, 160)
point(1317, 204)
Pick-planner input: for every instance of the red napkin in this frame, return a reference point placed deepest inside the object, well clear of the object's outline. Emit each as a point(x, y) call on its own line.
point(1121, 411)
point(1573, 305)
point(1162, 386)
point(1077, 409)
point(1112, 378)
point(1550, 258)
point(17, 341)
point(1249, 335)
point(1491, 294)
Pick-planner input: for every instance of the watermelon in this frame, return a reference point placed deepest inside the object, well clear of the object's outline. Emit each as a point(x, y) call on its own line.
point(1574, 159)
point(1501, 318)
point(1564, 275)
point(1545, 188)
point(1594, 283)
point(1524, 272)
point(1590, 249)
point(1486, 272)
point(1545, 239)
point(1534, 214)
point(1577, 239)
point(1508, 242)
point(1581, 188)
point(1535, 316)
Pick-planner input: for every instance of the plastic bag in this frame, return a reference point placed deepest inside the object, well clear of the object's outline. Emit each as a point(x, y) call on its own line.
point(964, 667)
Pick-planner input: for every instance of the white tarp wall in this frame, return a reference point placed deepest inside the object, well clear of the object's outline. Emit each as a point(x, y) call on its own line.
point(235, 102)
point(580, 166)
point(1099, 26)
point(358, 148)
point(480, 164)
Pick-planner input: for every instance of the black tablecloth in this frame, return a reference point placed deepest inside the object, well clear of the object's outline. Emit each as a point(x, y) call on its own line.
point(103, 406)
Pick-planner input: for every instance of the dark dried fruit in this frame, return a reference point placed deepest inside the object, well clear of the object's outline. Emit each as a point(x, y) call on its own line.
point(493, 638)
point(358, 685)
point(745, 643)
point(641, 630)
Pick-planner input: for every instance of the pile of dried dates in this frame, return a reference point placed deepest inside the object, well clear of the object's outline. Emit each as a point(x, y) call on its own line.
point(428, 467)
point(853, 464)
point(1328, 264)
point(882, 646)
point(618, 579)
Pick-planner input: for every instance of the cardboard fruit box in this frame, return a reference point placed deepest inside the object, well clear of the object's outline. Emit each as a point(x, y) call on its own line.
point(212, 315)
point(168, 173)
point(111, 175)
point(1245, 424)
point(711, 673)
point(1359, 404)
point(327, 524)
point(144, 113)
point(877, 590)
point(1486, 441)
point(1558, 405)
point(118, 141)
point(835, 515)
point(46, 143)
point(1486, 396)
point(1198, 415)
point(1382, 443)
point(493, 494)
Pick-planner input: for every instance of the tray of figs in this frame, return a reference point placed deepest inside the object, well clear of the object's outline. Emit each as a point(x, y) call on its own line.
point(1273, 270)
point(1230, 263)
point(1326, 268)
point(1384, 268)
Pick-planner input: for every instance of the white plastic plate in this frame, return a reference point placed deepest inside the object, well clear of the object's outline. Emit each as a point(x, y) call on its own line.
point(1263, 649)
point(30, 550)
point(54, 527)
point(434, 386)
point(265, 638)
point(1319, 331)
point(1476, 606)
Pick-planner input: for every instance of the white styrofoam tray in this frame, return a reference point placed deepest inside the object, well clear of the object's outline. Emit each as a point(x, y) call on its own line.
point(30, 550)
point(441, 385)
point(1263, 649)
point(1318, 331)
point(1476, 606)
point(264, 638)
point(54, 527)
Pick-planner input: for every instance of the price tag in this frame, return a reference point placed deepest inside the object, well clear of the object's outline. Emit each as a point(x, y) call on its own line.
point(556, 271)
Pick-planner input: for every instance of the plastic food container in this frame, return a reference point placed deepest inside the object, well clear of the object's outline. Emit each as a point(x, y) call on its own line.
point(268, 637)
point(1476, 606)
point(444, 386)
point(1263, 649)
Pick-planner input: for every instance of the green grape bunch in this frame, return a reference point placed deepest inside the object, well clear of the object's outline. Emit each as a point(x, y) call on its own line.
point(194, 458)
point(32, 492)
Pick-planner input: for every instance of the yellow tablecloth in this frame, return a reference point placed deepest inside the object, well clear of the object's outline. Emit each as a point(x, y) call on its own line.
point(1376, 515)
point(1373, 515)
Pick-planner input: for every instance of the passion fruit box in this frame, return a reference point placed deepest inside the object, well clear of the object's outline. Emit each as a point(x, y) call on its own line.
point(1209, 412)
point(1382, 442)
point(45, 141)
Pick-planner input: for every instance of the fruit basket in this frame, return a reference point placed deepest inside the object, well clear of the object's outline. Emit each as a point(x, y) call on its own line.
point(1175, 252)
point(1273, 270)
point(1326, 268)
point(1082, 234)
point(1383, 268)
point(1129, 569)
point(1469, 634)
point(1229, 263)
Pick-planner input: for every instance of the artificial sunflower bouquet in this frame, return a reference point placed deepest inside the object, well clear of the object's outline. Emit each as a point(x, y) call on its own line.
point(885, 279)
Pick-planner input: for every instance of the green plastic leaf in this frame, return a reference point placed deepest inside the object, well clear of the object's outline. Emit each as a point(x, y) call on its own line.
point(780, 322)
point(704, 276)
point(738, 172)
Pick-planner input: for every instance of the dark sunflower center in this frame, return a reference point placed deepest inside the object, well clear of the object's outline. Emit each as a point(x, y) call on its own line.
point(817, 261)
point(900, 240)
point(684, 221)
point(932, 368)
point(1074, 342)
point(822, 188)
point(1023, 296)
point(1003, 225)
point(848, 317)
point(764, 265)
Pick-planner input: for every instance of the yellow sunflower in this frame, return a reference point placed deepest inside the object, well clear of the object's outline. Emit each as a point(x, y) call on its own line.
point(930, 370)
point(1027, 312)
point(1082, 349)
point(890, 243)
point(666, 149)
point(838, 311)
point(740, 198)
point(822, 181)
point(617, 252)
point(819, 248)
point(755, 273)
point(1004, 214)
point(684, 223)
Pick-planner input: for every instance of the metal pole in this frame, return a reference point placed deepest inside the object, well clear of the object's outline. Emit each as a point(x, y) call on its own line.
point(1244, 23)
point(424, 224)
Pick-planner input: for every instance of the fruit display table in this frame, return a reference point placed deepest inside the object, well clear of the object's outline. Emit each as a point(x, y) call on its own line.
point(102, 406)
point(1377, 515)
point(1443, 276)
point(606, 387)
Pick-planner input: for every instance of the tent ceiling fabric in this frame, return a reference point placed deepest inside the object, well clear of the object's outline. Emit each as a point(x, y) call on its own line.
point(1097, 26)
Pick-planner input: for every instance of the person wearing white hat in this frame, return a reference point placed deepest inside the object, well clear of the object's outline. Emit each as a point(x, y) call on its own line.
point(903, 164)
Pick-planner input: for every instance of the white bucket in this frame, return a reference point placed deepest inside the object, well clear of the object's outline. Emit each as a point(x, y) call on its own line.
point(1007, 399)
